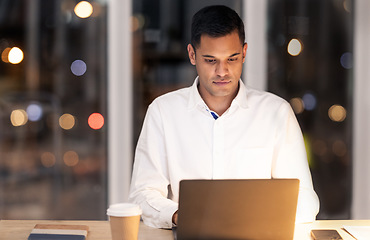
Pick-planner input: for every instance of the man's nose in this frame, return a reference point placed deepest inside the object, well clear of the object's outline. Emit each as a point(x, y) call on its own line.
point(222, 69)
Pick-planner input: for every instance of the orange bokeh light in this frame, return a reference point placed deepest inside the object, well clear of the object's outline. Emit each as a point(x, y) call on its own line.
point(96, 121)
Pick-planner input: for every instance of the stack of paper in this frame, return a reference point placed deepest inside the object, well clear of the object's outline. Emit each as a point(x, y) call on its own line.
point(60, 232)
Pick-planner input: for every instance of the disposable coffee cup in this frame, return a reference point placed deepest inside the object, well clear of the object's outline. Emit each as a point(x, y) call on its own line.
point(124, 221)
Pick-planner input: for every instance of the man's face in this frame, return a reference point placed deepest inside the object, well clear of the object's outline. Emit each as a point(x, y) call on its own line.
point(219, 62)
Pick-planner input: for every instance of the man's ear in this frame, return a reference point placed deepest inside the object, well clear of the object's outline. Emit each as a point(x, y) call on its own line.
point(245, 46)
point(191, 53)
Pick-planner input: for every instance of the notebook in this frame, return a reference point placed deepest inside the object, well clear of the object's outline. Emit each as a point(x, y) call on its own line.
point(237, 209)
point(58, 232)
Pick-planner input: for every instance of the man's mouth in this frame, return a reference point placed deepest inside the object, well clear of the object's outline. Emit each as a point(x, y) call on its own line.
point(222, 82)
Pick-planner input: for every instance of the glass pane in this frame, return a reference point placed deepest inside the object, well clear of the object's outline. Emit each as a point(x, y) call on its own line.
point(52, 145)
point(310, 65)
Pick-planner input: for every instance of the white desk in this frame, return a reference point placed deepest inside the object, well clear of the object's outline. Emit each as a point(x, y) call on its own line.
point(303, 231)
point(100, 230)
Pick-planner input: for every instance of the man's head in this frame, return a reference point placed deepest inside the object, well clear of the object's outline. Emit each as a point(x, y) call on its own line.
point(215, 21)
point(218, 52)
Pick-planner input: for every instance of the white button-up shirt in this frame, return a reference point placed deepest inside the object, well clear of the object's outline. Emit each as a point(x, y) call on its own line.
point(257, 137)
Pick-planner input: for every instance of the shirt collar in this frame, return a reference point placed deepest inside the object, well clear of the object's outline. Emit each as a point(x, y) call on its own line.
point(196, 100)
point(241, 97)
point(194, 97)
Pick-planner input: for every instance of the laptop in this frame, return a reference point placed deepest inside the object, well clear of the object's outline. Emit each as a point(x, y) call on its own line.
point(237, 209)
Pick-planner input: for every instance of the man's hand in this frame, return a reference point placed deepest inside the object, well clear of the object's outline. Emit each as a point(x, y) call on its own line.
point(174, 218)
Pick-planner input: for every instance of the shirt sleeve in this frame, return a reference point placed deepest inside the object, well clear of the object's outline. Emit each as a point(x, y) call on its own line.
point(290, 161)
point(149, 186)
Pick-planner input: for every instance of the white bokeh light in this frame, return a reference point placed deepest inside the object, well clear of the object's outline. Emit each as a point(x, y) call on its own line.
point(78, 67)
point(34, 112)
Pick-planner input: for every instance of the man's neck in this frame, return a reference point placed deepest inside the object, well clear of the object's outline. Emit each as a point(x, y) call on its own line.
point(219, 104)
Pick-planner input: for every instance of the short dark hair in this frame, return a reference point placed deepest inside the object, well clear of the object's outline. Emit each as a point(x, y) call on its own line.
point(215, 21)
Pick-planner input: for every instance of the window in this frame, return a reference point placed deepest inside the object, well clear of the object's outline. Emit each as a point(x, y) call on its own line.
point(310, 52)
point(53, 153)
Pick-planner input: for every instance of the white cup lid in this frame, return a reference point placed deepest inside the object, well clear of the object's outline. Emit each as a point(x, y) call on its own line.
point(124, 210)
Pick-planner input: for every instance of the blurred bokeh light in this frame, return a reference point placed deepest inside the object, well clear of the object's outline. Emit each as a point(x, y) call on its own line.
point(15, 55)
point(339, 148)
point(309, 101)
point(70, 158)
point(96, 121)
point(294, 47)
point(67, 121)
point(48, 159)
point(34, 112)
point(337, 113)
point(83, 9)
point(5, 55)
point(78, 67)
point(297, 105)
point(346, 60)
point(18, 117)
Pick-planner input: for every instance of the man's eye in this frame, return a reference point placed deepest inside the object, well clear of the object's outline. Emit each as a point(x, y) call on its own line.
point(232, 59)
point(210, 60)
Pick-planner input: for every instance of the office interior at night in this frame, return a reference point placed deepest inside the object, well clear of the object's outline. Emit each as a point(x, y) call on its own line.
point(76, 78)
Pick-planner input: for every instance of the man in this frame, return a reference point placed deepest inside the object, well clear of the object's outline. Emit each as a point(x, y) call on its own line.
point(216, 129)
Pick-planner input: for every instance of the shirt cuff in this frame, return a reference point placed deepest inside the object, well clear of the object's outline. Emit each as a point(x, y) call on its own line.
point(167, 213)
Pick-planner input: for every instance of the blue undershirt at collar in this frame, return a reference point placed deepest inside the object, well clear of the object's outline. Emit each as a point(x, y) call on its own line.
point(214, 115)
